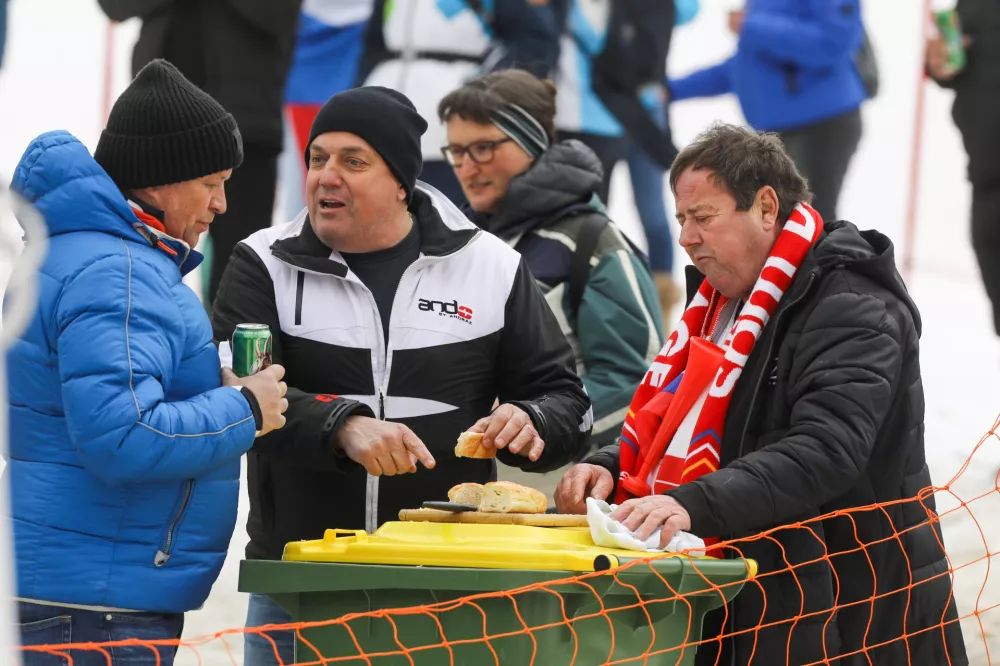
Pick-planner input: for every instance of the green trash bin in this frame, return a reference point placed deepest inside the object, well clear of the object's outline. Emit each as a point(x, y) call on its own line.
point(647, 608)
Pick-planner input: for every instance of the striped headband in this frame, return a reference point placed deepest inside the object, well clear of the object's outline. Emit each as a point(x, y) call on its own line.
point(522, 128)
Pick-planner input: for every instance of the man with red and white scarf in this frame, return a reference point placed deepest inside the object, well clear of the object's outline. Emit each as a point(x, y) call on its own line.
point(790, 389)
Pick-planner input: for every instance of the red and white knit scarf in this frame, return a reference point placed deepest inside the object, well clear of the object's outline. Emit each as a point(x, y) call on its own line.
point(706, 374)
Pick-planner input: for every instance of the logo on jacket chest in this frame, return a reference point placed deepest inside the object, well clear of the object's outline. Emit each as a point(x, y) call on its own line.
point(451, 309)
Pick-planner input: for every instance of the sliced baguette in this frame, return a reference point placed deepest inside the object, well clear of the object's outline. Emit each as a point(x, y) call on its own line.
point(470, 445)
point(507, 497)
point(466, 493)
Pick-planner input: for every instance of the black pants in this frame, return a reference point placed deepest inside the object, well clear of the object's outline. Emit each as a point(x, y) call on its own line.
point(249, 208)
point(610, 151)
point(986, 240)
point(822, 152)
point(975, 113)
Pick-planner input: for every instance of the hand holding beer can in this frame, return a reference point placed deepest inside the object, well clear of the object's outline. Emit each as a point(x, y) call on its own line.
point(251, 345)
point(950, 28)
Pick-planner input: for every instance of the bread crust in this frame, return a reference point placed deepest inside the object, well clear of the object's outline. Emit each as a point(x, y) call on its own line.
point(507, 497)
point(470, 445)
point(467, 493)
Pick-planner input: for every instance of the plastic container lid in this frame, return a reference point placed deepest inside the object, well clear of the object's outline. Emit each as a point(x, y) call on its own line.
point(464, 545)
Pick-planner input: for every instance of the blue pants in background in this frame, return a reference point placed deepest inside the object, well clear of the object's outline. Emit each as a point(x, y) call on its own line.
point(647, 189)
point(257, 650)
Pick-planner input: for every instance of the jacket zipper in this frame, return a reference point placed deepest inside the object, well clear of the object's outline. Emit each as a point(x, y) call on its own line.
point(770, 348)
point(381, 380)
point(163, 555)
point(371, 484)
point(731, 622)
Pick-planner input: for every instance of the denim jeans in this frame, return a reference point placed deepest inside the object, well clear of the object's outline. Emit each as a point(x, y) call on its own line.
point(257, 650)
point(55, 625)
point(648, 189)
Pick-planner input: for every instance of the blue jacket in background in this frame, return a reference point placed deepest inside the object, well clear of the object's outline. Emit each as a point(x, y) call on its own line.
point(328, 47)
point(794, 64)
point(124, 448)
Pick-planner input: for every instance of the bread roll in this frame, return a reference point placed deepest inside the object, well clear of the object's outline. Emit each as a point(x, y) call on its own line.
point(466, 493)
point(470, 445)
point(507, 497)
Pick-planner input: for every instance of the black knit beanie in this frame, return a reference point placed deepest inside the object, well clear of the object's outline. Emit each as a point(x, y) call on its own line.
point(386, 119)
point(163, 129)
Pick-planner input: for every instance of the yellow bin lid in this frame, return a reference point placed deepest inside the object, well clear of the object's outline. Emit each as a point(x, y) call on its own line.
point(466, 545)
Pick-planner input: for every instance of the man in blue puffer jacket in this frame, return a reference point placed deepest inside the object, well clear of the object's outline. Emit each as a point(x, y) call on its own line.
point(794, 73)
point(124, 443)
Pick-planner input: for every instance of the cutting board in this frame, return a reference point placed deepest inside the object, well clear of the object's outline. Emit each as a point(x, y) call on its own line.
point(533, 519)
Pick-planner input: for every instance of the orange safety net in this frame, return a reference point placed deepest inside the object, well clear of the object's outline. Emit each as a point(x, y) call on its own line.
point(650, 611)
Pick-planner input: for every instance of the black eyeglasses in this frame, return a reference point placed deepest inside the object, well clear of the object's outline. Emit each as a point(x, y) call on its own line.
point(480, 152)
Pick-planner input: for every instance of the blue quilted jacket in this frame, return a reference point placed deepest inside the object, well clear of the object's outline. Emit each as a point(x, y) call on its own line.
point(124, 447)
point(794, 64)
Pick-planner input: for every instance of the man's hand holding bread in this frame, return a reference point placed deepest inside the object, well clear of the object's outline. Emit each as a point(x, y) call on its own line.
point(507, 427)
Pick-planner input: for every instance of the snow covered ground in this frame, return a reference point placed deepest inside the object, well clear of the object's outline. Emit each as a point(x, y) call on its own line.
point(53, 78)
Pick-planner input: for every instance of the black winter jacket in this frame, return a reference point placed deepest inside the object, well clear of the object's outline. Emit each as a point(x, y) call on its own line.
point(468, 325)
point(828, 415)
point(977, 89)
point(238, 51)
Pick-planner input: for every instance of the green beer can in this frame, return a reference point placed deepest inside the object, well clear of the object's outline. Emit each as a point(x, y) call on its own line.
point(951, 32)
point(251, 345)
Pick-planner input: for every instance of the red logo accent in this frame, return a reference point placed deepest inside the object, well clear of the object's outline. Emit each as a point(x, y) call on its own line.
point(464, 312)
point(326, 397)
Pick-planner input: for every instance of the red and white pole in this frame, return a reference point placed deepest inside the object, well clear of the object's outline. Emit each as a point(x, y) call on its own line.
point(916, 155)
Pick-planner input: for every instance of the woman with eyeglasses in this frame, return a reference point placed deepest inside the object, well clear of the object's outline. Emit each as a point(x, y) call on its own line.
point(540, 196)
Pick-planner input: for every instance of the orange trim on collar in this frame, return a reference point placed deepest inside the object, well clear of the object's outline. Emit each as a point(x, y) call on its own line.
point(149, 220)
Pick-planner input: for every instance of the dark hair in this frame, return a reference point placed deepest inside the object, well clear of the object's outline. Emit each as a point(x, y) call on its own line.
point(479, 99)
point(743, 161)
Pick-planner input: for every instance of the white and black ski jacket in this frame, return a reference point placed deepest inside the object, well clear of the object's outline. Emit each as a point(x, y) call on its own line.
point(468, 326)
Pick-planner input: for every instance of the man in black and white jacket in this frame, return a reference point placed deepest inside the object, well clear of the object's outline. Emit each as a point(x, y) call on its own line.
point(399, 324)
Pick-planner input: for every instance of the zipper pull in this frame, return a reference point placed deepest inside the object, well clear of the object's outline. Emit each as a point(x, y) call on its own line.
point(161, 558)
point(381, 406)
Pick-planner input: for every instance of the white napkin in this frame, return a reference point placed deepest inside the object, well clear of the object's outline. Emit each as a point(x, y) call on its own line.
point(611, 534)
point(225, 354)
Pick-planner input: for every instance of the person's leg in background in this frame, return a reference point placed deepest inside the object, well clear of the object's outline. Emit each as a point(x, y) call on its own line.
point(257, 649)
point(250, 196)
point(986, 241)
point(975, 111)
point(610, 151)
point(55, 625)
point(823, 152)
point(648, 190)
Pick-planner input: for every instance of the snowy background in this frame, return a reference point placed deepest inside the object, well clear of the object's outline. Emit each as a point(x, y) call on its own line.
point(53, 78)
